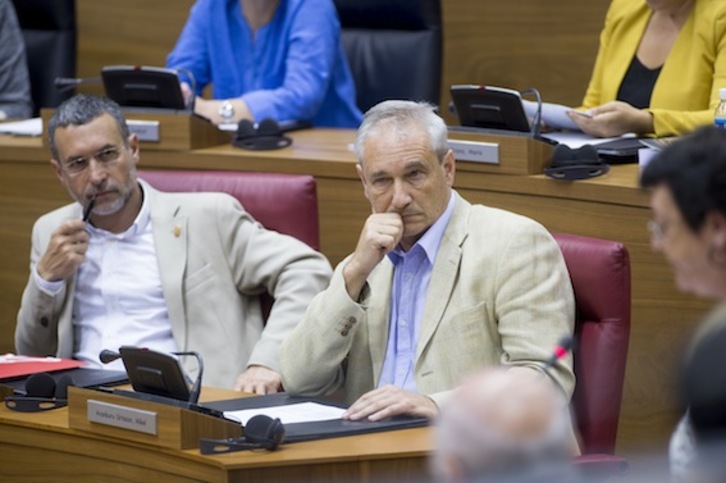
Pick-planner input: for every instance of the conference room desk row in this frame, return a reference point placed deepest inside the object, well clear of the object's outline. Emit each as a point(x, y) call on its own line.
point(42, 447)
point(611, 206)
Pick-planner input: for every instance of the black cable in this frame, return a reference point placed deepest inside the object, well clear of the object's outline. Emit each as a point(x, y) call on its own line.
point(538, 116)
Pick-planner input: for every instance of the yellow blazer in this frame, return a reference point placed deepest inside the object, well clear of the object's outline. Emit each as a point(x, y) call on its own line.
point(499, 294)
point(686, 92)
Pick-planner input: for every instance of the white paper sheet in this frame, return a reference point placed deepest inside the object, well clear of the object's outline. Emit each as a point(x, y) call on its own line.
point(578, 139)
point(29, 127)
point(306, 412)
point(553, 115)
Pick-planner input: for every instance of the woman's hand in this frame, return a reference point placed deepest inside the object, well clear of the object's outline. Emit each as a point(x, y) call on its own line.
point(614, 119)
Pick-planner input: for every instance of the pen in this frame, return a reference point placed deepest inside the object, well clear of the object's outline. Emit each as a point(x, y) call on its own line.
point(87, 210)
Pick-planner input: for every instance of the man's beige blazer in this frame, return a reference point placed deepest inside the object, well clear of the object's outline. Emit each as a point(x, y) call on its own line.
point(499, 294)
point(214, 261)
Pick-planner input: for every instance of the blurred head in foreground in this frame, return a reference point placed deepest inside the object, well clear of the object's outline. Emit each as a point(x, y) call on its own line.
point(703, 389)
point(688, 199)
point(503, 425)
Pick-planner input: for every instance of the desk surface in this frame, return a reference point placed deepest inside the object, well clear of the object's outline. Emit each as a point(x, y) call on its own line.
point(42, 446)
point(611, 206)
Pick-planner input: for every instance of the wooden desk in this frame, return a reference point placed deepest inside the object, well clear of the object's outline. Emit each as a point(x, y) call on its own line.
point(41, 447)
point(610, 207)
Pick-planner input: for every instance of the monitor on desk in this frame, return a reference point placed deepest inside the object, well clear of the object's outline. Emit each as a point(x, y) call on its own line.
point(489, 108)
point(141, 86)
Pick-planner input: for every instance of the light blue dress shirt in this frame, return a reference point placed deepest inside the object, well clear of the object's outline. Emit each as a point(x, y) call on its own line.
point(411, 277)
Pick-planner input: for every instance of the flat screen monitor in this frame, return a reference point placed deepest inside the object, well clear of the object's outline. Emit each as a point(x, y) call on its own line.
point(140, 86)
point(489, 108)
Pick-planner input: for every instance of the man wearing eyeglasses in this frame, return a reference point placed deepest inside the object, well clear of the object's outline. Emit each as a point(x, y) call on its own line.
point(128, 265)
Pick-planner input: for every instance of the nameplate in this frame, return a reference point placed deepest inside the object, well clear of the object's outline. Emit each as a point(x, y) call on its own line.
point(122, 417)
point(476, 151)
point(145, 130)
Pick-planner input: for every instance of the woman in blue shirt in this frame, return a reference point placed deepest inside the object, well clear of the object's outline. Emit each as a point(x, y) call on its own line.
point(279, 59)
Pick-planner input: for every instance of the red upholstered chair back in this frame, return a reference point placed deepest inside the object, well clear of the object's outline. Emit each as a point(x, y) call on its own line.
point(286, 203)
point(600, 274)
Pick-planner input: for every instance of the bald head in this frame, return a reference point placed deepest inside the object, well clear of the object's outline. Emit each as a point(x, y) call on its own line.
point(499, 421)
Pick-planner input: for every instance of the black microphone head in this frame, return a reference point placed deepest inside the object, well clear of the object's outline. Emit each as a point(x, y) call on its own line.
point(61, 387)
point(246, 129)
point(587, 152)
point(265, 431)
point(268, 127)
point(41, 384)
point(107, 356)
point(566, 342)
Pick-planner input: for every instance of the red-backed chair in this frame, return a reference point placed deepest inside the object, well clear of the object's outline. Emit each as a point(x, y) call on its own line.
point(286, 203)
point(600, 274)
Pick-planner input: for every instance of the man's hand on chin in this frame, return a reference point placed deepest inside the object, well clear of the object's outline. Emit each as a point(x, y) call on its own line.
point(388, 401)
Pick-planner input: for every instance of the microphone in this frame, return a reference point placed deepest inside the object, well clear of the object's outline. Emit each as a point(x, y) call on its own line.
point(561, 349)
point(197, 386)
point(107, 356)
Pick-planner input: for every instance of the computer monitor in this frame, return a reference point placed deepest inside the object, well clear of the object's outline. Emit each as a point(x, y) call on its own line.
point(489, 108)
point(140, 86)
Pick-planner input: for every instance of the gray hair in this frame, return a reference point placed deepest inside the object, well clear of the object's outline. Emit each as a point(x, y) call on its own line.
point(399, 115)
point(467, 429)
point(82, 109)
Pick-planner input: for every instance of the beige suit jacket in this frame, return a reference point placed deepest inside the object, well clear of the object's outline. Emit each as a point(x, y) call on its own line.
point(499, 294)
point(212, 275)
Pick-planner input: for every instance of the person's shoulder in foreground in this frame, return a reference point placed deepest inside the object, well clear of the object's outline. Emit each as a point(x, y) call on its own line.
point(435, 288)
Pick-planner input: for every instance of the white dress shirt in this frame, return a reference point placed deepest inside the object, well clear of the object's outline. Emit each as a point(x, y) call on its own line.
point(118, 298)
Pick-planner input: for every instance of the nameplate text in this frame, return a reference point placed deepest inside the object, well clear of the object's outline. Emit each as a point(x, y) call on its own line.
point(476, 151)
point(145, 130)
point(122, 417)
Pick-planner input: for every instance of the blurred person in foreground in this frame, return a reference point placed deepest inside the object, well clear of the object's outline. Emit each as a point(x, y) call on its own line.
point(503, 426)
point(658, 70)
point(125, 264)
point(703, 390)
point(436, 287)
point(688, 200)
point(15, 101)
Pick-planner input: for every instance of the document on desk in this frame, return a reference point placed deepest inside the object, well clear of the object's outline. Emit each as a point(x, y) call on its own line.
point(304, 412)
point(553, 115)
point(308, 419)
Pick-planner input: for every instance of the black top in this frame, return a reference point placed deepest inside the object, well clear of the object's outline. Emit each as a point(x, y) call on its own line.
point(638, 83)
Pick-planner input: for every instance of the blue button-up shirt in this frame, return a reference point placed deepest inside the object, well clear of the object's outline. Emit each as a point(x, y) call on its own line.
point(411, 277)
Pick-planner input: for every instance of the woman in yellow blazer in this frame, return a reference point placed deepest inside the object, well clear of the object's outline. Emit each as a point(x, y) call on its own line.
point(659, 68)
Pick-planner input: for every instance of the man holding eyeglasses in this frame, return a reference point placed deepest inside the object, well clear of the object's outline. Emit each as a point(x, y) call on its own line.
point(128, 265)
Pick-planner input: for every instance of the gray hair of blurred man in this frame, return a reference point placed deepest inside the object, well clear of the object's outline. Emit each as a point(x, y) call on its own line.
point(503, 425)
point(402, 116)
point(81, 109)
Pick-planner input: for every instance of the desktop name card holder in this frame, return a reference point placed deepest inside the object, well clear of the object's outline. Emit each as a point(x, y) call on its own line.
point(142, 421)
point(499, 152)
point(495, 132)
point(164, 129)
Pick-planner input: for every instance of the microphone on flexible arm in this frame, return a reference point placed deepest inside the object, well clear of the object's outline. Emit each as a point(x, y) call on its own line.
point(564, 345)
point(106, 356)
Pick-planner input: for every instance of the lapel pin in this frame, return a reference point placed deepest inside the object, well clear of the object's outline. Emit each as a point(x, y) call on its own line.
point(177, 231)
